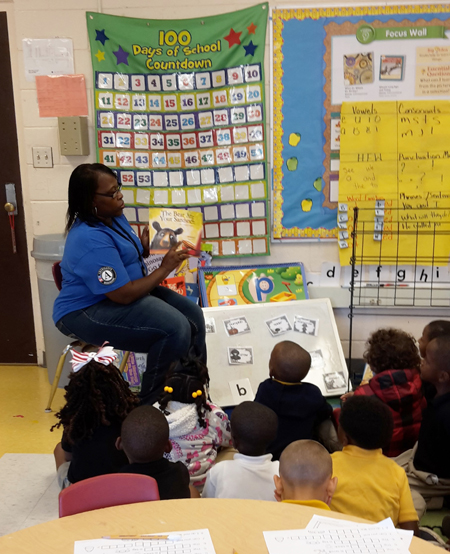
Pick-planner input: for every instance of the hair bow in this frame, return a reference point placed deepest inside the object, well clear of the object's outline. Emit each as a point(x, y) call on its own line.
point(105, 356)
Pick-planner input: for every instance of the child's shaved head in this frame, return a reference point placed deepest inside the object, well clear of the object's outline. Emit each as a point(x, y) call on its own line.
point(305, 463)
point(289, 362)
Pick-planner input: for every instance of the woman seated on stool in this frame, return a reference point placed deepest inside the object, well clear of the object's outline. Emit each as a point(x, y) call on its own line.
point(107, 294)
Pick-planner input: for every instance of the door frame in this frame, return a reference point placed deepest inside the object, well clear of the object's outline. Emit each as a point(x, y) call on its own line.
point(9, 9)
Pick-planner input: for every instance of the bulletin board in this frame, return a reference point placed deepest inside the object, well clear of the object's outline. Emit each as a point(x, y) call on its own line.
point(323, 57)
point(240, 340)
point(180, 116)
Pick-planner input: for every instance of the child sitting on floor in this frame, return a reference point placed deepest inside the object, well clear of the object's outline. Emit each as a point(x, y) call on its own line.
point(250, 474)
point(305, 475)
point(434, 329)
point(197, 427)
point(427, 464)
point(370, 485)
point(145, 439)
point(394, 359)
point(299, 406)
point(97, 401)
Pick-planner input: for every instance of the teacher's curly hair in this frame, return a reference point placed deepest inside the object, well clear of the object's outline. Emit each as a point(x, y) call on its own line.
point(187, 381)
point(82, 187)
point(96, 395)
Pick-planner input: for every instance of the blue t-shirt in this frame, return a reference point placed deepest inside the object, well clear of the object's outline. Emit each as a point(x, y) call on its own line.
point(96, 260)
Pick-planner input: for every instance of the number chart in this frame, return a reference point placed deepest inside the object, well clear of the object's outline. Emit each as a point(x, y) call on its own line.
point(180, 117)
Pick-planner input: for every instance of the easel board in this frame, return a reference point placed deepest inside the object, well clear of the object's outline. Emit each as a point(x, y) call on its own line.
point(240, 340)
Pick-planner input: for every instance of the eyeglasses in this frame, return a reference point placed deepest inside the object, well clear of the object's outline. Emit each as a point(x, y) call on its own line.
point(114, 194)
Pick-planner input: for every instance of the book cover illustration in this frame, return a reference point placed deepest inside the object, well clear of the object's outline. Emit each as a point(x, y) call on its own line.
point(167, 226)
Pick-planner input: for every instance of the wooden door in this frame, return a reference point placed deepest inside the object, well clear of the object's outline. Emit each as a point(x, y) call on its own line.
point(17, 336)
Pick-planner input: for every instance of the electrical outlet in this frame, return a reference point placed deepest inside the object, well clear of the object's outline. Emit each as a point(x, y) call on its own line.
point(42, 156)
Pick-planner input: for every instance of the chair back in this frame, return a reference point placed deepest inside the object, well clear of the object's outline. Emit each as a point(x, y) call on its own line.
point(57, 274)
point(103, 491)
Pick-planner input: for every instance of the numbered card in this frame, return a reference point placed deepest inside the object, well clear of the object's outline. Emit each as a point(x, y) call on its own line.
point(174, 160)
point(127, 178)
point(137, 82)
point(123, 121)
point(156, 141)
point(171, 123)
point(122, 101)
point(240, 154)
point(154, 103)
point(121, 81)
point(159, 159)
point(240, 134)
point(203, 81)
point(154, 82)
point(237, 95)
point(187, 101)
point(223, 156)
point(254, 113)
point(173, 142)
point(207, 157)
point(203, 100)
point(170, 103)
point(106, 120)
point(205, 139)
point(155, 122)
point(109, 159)
point(238, 115)
point(105, 100)
point(206, 120)
point(144, 179)
point(125, 159)
point(252, 73)
point(141, 141)
point(189, 140)
point(220, 98)
point(221, 117)
point(169, 82)
point(253, 93)
point(255, 132)
point(142, 160)
point(123, 140)
point(107, 140)
point(105, 80)
point(191, 159)
point(186, 81)
point(218, 78)
point(187, 121)
point(223, 137)
point(139, 102)
point(256, 152)
point(235, 76)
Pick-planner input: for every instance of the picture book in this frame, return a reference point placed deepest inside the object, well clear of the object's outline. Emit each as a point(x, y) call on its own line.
point(168, 226)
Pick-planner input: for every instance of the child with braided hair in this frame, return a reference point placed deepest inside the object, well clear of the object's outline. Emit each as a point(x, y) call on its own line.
point(197, 427)
point(97, 402)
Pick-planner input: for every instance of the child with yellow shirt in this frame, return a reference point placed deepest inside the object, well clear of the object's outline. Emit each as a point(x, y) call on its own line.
point(370, 485)
point(306, 475)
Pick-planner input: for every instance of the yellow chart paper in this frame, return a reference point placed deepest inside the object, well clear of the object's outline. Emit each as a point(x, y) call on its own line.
point(398, 152)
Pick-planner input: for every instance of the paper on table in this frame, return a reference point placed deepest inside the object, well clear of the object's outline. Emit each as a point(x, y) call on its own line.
point(61, 95)
point(198, 541)
point(321, 522)
point(336, 540)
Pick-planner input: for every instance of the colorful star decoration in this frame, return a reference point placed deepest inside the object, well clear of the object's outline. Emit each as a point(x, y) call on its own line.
point(250, 48)
point(101, 37)
point(100, 55)
point(122, 56)
point(251, 29)
point(233, 38)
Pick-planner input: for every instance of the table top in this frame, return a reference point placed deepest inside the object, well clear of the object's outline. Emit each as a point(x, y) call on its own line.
point(233, 524)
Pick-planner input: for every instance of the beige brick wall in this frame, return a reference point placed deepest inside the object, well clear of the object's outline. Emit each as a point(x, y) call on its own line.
point(45, 189)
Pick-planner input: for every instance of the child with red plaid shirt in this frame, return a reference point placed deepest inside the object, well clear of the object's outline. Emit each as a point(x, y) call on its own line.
point(394, 359)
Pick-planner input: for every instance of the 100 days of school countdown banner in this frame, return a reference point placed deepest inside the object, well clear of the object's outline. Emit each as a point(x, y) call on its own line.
point(180, 117)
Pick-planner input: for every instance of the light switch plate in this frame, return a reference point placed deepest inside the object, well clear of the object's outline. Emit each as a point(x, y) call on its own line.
point(42, 156)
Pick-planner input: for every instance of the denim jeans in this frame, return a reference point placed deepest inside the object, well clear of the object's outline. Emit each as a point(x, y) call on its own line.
point(163, 324)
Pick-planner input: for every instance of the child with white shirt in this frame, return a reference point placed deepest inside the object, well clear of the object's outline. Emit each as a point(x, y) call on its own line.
point(250, 474)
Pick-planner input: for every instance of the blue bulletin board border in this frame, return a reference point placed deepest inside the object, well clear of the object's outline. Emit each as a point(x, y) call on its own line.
point(205, 273)
point(302, 209)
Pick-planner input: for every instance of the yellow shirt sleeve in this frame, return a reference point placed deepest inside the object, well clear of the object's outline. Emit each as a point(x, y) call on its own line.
point(407, 511)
